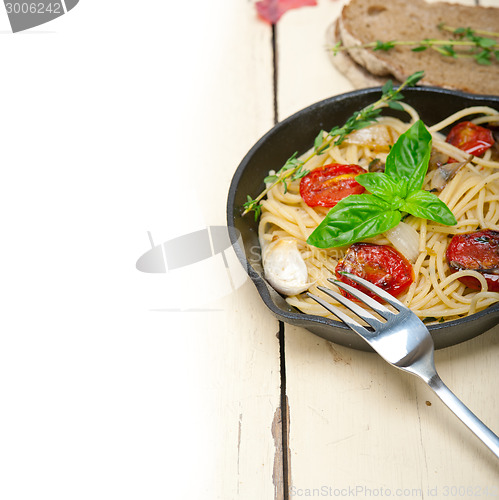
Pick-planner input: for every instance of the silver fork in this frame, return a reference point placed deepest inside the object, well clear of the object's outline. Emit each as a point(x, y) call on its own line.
point(403, 341)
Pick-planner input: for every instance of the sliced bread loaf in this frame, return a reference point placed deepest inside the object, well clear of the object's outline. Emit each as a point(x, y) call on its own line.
point(365, 21)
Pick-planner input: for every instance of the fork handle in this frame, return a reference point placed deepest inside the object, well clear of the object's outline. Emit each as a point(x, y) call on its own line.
point(476, 426)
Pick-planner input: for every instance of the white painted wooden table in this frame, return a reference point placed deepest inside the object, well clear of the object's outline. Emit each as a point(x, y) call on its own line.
point(117, 384)
point(356, 426)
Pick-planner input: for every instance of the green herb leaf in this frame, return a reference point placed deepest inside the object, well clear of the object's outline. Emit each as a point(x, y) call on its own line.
point(483, 58)
point(463, 38)
point(414, 78)
point(319, 144)
point(270, 178)
point(252, 205)
point(409, 157)
point(387, 87)
point(396, 105)
point(448, 50)
point(319, 140)
point(291, 162)
point(396, 97)
point(293, 168)
point(380, 184)
point(486, 43)
point(428, 206)
point(394, 192)
point(336, 48)
point(384, 45)
point(301, 172)
point(354, 218)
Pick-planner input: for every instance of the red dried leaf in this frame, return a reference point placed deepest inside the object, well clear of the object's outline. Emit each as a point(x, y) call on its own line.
point(272, 10)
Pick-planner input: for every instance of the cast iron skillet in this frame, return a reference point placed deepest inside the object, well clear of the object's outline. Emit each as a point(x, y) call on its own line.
point(297, 133)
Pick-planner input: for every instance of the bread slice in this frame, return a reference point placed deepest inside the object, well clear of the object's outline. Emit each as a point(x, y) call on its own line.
point(358, 75)
point(365, 21)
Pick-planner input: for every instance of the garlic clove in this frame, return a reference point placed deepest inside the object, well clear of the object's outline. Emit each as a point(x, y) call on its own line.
point(285, 268)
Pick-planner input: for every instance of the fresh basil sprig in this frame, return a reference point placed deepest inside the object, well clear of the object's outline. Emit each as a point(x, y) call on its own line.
point(392, 193)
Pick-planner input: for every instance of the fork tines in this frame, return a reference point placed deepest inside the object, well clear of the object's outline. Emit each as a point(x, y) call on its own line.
point(357, 309)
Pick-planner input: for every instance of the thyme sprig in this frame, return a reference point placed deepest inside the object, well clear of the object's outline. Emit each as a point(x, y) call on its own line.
point(294, 168)
point(481, 48)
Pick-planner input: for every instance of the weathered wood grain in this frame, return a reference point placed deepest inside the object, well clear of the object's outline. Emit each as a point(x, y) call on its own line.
point(355, 422)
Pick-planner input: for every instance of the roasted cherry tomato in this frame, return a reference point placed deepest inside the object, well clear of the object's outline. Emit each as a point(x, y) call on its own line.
point(470, 138)
point(326, 186)
point(478, 251)
point(380, 264)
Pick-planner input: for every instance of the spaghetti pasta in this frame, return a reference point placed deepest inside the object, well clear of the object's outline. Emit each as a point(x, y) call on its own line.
point(436, 293)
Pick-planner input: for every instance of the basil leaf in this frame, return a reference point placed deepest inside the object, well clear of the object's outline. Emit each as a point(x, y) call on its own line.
point(428, 206)
point(397, 190)
point(409, 157)
point(381, 185)
point(354, 218)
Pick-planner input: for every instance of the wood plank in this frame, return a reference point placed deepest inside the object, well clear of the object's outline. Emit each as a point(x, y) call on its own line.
point(305, 74)
point(240, 369)
point(355, 422)
point(489, 3)
point(107, 390)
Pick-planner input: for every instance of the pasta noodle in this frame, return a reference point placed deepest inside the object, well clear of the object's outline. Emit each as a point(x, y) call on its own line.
point(472, 195)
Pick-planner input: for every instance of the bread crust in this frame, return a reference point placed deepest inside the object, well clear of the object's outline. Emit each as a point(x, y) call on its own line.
point(358, 75)
point(365, 21)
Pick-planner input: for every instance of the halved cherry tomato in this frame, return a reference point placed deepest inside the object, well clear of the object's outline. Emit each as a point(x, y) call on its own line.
point(326, 186)
point(470, 138)
point(478, 251)
point(380, 264)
